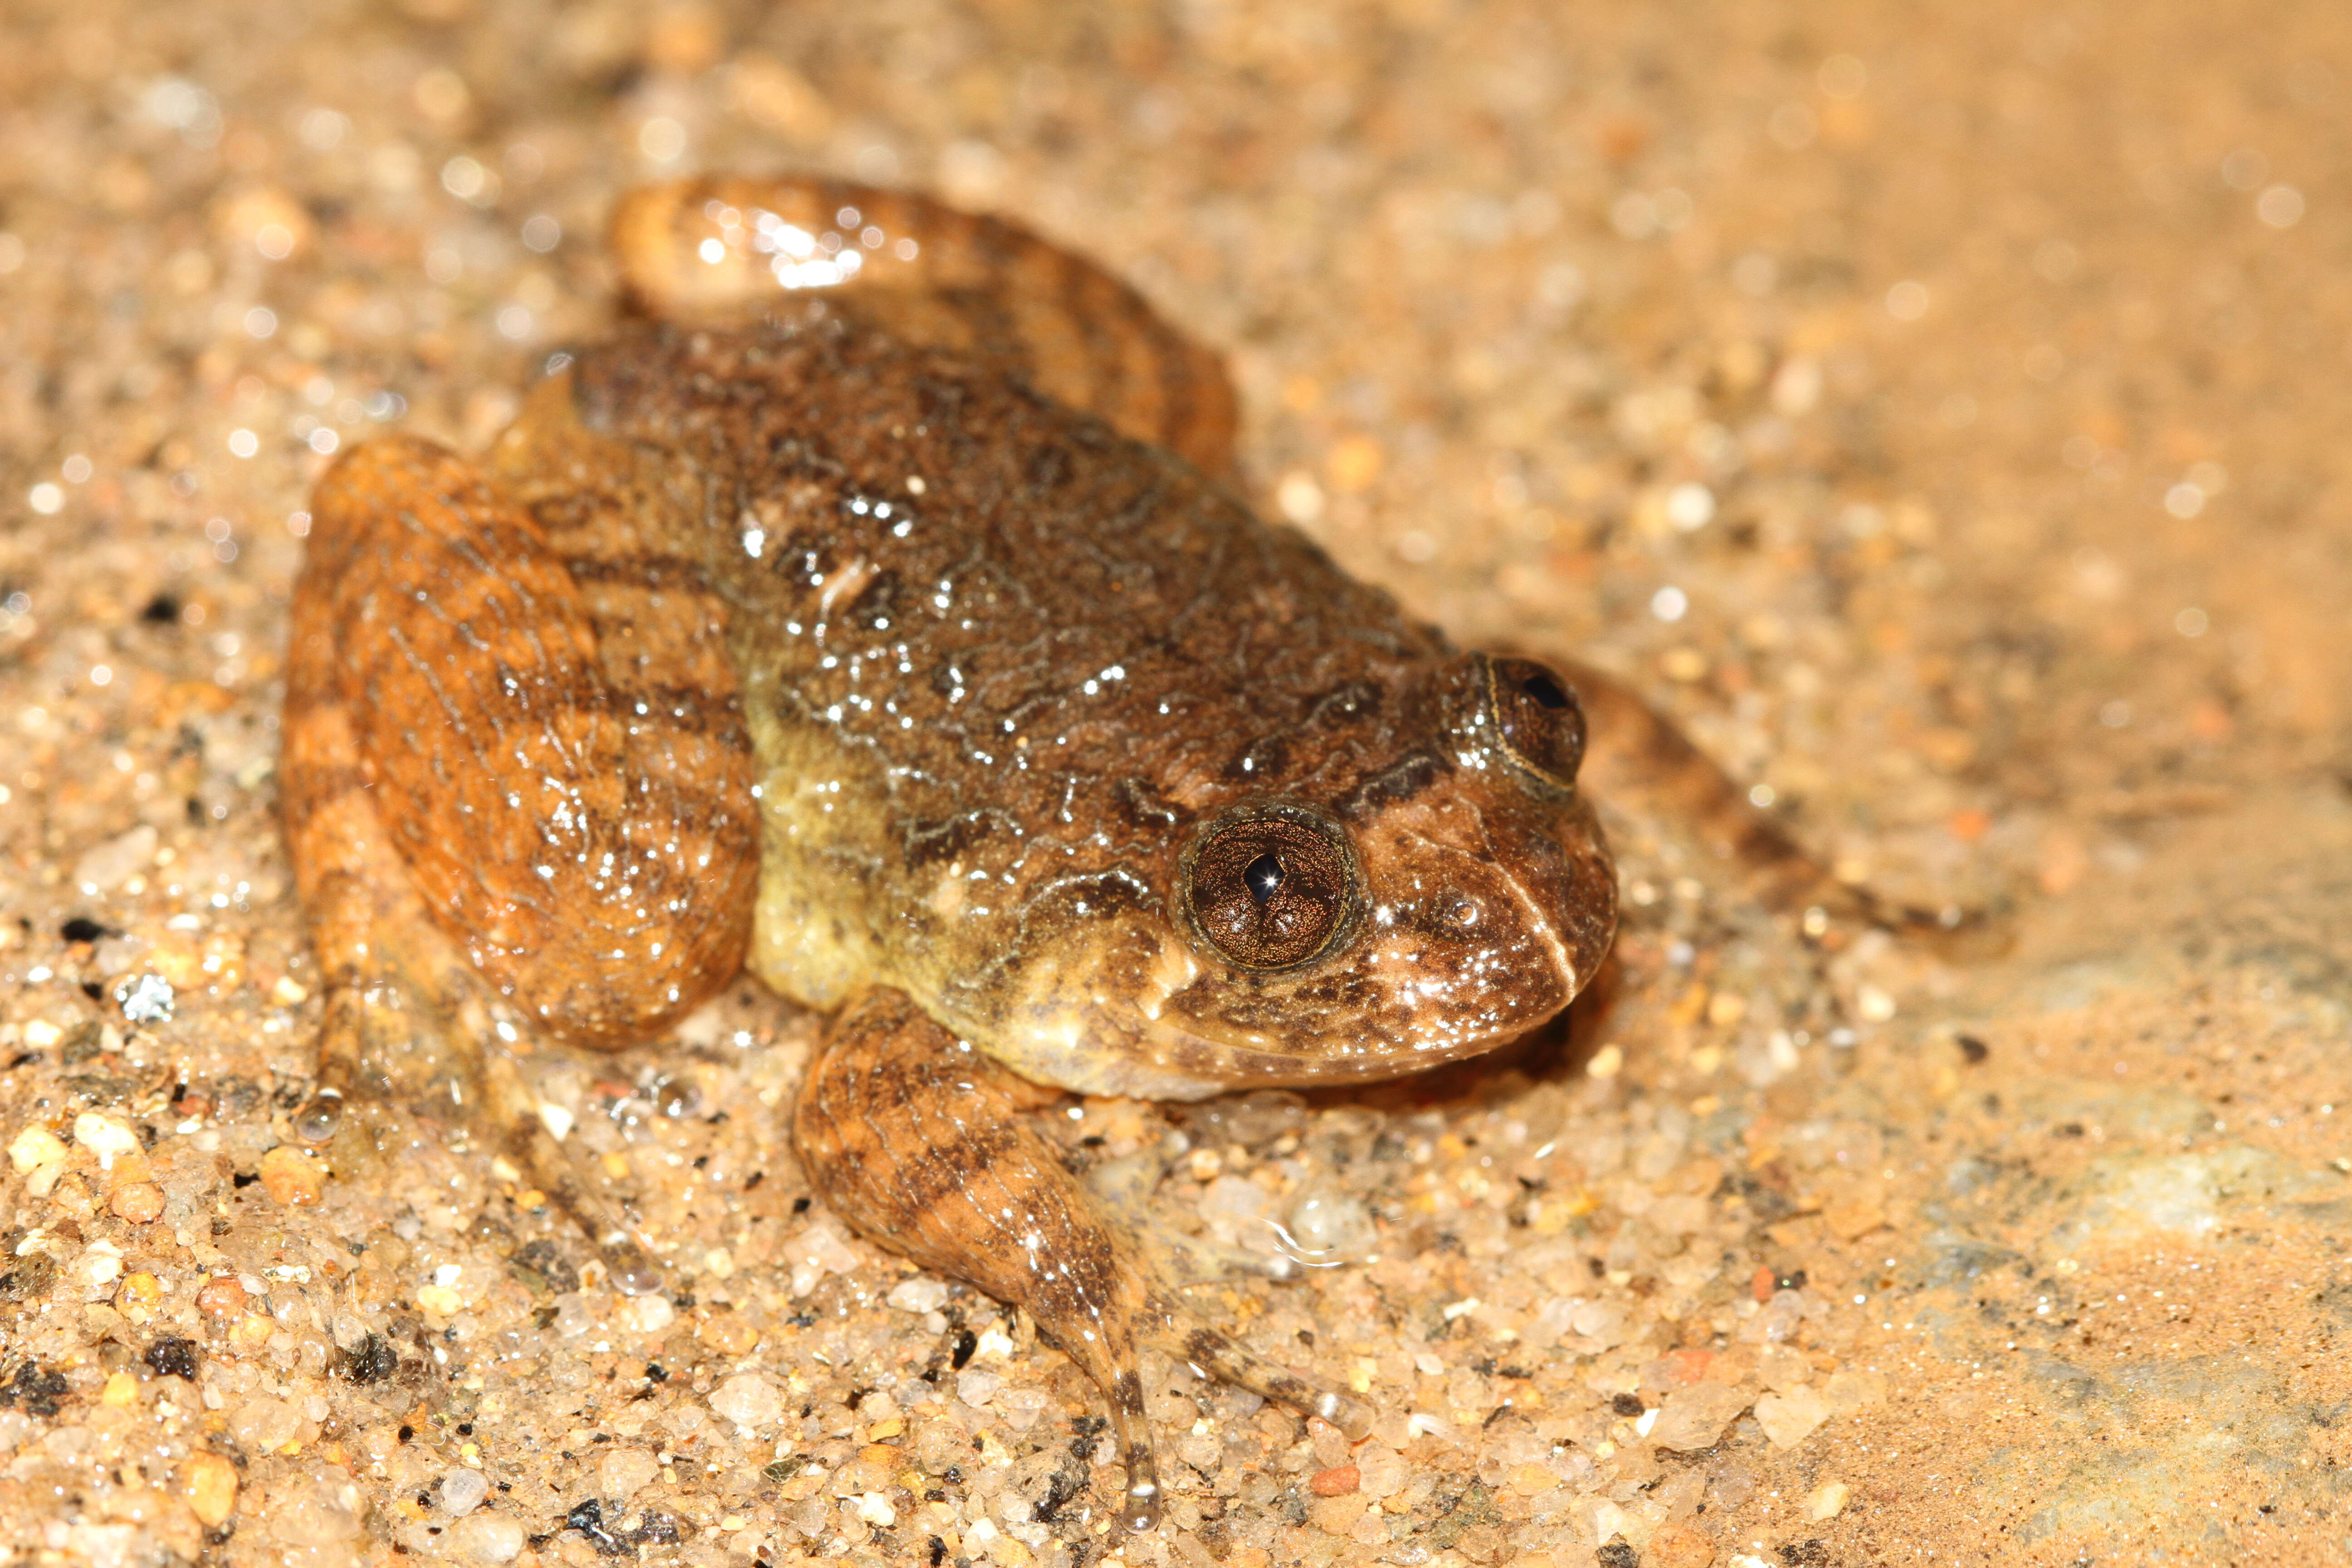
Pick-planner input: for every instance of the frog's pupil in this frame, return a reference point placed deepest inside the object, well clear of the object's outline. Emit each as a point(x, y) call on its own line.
point(1544, 691)
point(1262, 878)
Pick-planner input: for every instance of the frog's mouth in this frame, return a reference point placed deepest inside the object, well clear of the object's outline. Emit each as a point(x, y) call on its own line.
point(1483, 919)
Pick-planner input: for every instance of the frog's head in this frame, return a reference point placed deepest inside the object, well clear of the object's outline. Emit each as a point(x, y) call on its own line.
point(1445, 891)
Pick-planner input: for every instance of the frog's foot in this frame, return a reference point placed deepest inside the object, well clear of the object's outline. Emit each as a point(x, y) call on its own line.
point(370, 1023)
point(912, 1135)
point(547, 1165)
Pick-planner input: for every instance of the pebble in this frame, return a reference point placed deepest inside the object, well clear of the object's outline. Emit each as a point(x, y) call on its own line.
point(100, 1263)
point(1695, 1417)
point(1380, 1470)
point(138, 1202)
point(976, 1388)
point(322, 1514)
point(223, 1297)
point(1329, 1224)
point(726, 1334)
point(263, 216)
point(211, 1482)
point(146, 1000)
point(462, 1492)
point(1023, 1406)
point(622, 1473)
point(576, 1313)
point(34, 1147)
point(104, 1137)
point(140, 1290)
point(1337, 1481)
point(487, 1538)
point(1826, 1500)
point(748, 1400)
point(106, 866)
point(920, 1293)
point(1337, 1515)
point(1679, 1546)
point(1790, 1418)
point(114, 954)
point(1851, 1390)
point(264, 1423)
point(291, 1177)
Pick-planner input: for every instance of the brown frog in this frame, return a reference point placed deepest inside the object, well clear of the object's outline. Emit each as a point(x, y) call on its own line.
point(874, 610)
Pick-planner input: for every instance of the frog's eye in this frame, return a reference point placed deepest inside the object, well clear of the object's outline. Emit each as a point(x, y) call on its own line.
point(1538, 718)
point(1271, 887)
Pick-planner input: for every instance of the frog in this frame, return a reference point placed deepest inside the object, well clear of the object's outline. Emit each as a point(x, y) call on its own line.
point(878, 609)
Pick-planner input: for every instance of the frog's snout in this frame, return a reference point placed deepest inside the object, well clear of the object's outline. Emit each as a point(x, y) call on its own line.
point(1558, 862)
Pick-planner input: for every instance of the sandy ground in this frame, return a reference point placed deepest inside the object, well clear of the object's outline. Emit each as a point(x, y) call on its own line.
point(1943, 416)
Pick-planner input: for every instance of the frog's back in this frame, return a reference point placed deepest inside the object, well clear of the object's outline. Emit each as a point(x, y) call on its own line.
point(995, 657)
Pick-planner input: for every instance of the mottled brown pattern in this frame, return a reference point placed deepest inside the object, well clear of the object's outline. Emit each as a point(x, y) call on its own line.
point(1021, 660)
point(881, 577)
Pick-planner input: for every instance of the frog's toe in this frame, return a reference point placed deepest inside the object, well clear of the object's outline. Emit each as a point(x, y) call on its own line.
point(1188, 1339)
point(559, 1178)
point(342, 1034)
point(1139, 1505)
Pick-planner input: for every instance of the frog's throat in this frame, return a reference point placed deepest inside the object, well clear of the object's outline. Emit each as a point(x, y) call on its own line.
point(1064, 1030)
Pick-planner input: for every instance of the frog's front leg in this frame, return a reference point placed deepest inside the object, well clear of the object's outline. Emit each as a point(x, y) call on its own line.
point(913, 1136)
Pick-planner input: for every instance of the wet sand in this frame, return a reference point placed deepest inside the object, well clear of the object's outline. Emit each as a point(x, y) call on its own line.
point(1941, 417)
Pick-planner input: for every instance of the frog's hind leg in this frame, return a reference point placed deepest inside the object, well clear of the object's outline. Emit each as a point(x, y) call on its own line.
point(714, 248)
point(393, 984)
point(914, 1137)
point(479, 791)
point(1639, 755)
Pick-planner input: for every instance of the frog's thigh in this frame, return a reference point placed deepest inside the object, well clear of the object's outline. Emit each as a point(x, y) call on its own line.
point(916, 1138)
point(592, 852)
point(935, 276)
